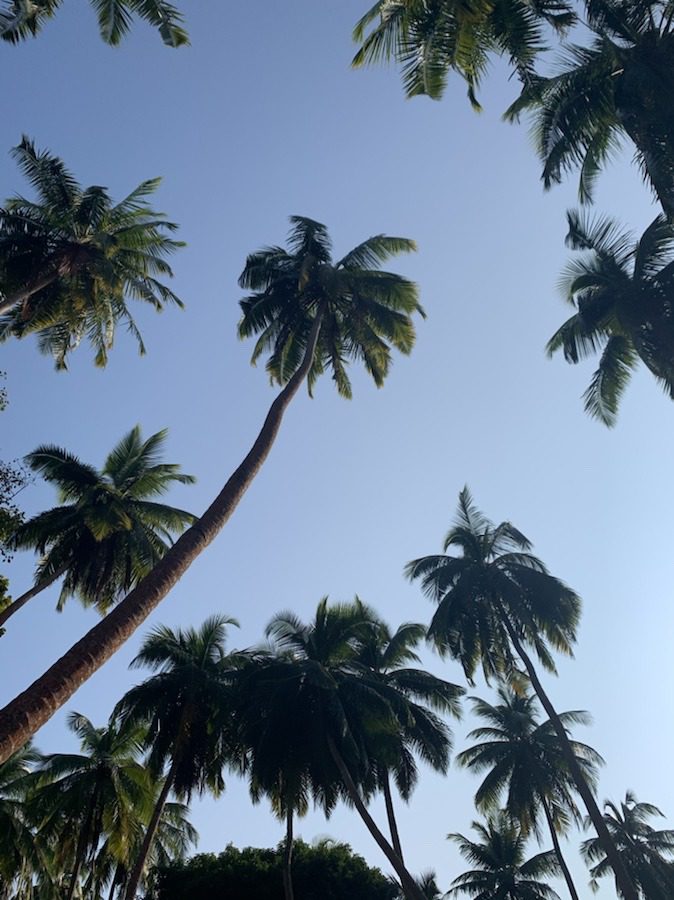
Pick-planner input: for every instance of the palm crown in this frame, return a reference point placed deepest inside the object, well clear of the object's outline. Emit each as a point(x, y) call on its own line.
point(24, 18)
point(622, 290)
point(363, 311)
point(71, 259)
point(109, 532)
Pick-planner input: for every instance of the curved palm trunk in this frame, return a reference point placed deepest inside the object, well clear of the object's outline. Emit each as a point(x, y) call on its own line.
point(21, 718)
point(558, 850)
point(390, 815)
point(622, 878)
point(139, 864)
point(8, 303)
point(288, 857)
point(410, 887)
point(21, 601)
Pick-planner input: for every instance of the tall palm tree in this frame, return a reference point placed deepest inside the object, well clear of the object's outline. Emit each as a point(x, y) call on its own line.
point(646, 851)
point(523, 759)
point(20, 19)
point(72, 259)
point(19, 848)
point(622, 290)
point(313, 313)
point(502, 871)
point(314, 721)
point(494, 599)
point(430, 39)
point(185, 707)
point(99, 792)
point(619, 85)
point(109, 530)
point(384, 657)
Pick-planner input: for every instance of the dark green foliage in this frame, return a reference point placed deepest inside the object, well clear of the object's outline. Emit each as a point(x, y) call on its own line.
point(20, 19)
point(13, 479)
point(327, 871)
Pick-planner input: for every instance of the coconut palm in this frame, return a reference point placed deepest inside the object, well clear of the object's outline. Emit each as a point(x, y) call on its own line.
point(312, 313)
point(109, 530)
point(98, 793)
point(502, 871)
point(20, 19)
point(523, 759)
point(494, 600)
point(431, 39)
point(622, 290)
point(19, 848)
point(185, 708)
point(618, 85)
point(71, 259)
point(316, 723)
point(384, 657)
point(647, 852)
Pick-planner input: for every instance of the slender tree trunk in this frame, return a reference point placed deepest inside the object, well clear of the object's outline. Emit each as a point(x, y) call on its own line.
point(558, 850)
point(390, 815)
point(288, 857)
point(623, 879)
point(138, 866)
point(21, 601)
point(22, 717)
point(410, 887)
point(9, 302)
point(115, 882)
point(81, 849)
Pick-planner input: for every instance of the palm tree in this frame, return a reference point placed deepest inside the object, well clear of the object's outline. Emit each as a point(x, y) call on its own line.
point(185, 707)
point(620, 85)
point(502, 871)
point(494, 599)
point(647, 852)
point(384, 657)
point(19, 847)
point(70, 260)
point(314, 313)
point(622, 290)
point(523, 758)
point(21, 19)
point(109, 531)
point(430, 39)
point(97, 793)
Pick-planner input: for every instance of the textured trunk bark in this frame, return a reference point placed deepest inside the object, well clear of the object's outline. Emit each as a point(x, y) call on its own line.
point(558, 850)
point(390, 815)
point(583, 788)
point(409, 885)
point(288, 857)
point(21, 601)
point(21, 718)
point(14, 300)
point(139, 864)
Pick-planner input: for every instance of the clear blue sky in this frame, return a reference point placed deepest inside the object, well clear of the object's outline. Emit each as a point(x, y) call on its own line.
point(262, 118)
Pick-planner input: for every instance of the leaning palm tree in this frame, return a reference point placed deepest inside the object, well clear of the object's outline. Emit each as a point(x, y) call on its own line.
point(429, 40)
point(109, 530)
point(523, 759)
point(622, 290)
point(495, 600)
point(71, 260)
point(20, 19)
point(648, 853)
point(186, 708)
point(98, 793)
point(502, 870)
point(618, 85)
point(312, 313)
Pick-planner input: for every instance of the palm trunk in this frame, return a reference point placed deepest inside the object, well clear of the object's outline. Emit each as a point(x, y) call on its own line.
point(288, 857)
point(22, 717)
point(8, 303)
point(622, 878)
point(115, 882)
point(409, 885)
point(558, 850)
point(390, 815)
point(139, 865)
point(21, 601)
point(81, 848)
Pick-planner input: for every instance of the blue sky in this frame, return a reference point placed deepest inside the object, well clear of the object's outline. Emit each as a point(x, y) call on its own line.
point(262, 118)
